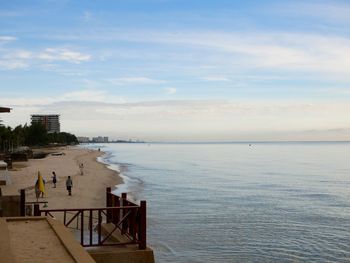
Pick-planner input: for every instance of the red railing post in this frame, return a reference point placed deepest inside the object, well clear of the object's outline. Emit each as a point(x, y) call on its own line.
point(125, 222)
point(131, 220)
point(142, 226)
point(116, 212)
point(99, 228)
point(132, 224)
point(82, 228)
point(36, 210)
point(90, 227)
point(124, 196)
point(22, 211)
point(109, 203)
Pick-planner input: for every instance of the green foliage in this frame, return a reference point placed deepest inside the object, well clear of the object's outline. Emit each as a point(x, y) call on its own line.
point(33, 135)
point(36, 134)
point(62, 138)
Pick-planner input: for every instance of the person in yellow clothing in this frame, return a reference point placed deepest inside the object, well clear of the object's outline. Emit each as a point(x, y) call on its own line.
point(40, 186)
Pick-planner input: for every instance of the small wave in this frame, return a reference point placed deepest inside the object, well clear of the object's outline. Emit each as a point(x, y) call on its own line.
point(163, 247)
point(320, 196)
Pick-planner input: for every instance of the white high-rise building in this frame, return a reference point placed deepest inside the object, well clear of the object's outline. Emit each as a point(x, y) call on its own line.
point(100, 139)
point(83, 139)
point(51, 122)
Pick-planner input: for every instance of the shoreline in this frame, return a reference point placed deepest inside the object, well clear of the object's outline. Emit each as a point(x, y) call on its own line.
point(88, 189)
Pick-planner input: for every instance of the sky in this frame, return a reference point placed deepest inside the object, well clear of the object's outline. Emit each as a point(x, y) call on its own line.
point(179, 70)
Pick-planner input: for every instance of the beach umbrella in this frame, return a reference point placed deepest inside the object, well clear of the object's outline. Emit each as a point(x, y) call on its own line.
point(41, 183)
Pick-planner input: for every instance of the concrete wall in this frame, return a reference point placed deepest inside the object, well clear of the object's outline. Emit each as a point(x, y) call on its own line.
point(9, 201)
point(74, 248)
point(121, 255)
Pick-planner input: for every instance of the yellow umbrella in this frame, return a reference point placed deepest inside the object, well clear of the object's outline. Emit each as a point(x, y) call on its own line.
point(41, 183)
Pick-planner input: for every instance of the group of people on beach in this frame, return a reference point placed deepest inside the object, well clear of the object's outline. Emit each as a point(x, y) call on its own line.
point(40, 185)
point(40, 182)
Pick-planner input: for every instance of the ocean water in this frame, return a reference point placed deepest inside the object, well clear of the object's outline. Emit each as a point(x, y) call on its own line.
point(235, 202)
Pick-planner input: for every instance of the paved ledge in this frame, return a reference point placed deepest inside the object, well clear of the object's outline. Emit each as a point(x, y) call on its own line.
point(38, 239)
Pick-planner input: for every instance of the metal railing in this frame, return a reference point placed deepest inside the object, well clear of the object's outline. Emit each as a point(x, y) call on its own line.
point(126, 221)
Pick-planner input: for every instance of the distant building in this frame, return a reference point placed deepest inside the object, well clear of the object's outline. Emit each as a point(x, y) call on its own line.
point(82, 139)
point(51, 122)
point(100, 139)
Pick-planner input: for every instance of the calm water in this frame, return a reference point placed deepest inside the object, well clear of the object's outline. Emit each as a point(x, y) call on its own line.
point(284, 202)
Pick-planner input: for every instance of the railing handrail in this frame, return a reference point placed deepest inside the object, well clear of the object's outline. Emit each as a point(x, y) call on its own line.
point(126, 216)
point(89, 209)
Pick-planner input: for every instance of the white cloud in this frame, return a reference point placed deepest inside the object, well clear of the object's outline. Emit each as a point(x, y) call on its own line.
point(303, 52)
point(89, 95)
point(18, 102)
point(274, 50)
point(12, 64)
point(86, 111)
point(280, 51)
point(23, 54)
point(215, 78)
point(18, 54)
point(135, 81)
point(170, 91)
point(7, 38)
point(15, 59)
point(11, 59)
point(62, 54)
point(334, 12)
point(87, 16)
point(84, 95)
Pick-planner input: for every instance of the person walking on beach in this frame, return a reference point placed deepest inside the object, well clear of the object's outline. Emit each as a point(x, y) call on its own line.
point(36, 188)
point(54, 179)
point(69, 185)
point(81, 167)
point(43, 187)
point(39, 186)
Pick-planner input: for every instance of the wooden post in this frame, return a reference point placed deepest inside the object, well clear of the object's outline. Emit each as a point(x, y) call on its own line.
point(82, 228)
point(36, 210)
point(99, 228)
point(125, 222)
point(132, 224)
point(108, 196)
point(142, 231)
point(23, 203)
point(124, 196)
point(115, 212)
point(90, 227)
point(108, 203)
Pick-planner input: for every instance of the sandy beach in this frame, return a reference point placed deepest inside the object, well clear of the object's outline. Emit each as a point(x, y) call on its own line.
point(88, 189)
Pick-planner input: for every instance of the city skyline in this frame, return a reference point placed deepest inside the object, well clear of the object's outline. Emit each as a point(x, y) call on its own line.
point(179, 70)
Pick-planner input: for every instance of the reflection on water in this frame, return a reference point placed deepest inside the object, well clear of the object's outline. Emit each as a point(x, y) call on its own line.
point(234, 203)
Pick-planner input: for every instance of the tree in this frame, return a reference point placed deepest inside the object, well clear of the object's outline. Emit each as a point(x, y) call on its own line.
point(62, 138)
point(36, 134)
point(5, 138)
point(33, 135)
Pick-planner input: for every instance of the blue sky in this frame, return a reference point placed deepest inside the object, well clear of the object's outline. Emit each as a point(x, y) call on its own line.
point(179, 70)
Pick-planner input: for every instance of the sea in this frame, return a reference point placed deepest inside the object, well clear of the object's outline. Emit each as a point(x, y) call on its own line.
point(240, 202)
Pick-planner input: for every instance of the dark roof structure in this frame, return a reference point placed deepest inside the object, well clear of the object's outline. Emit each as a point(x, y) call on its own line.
point(4, 109)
